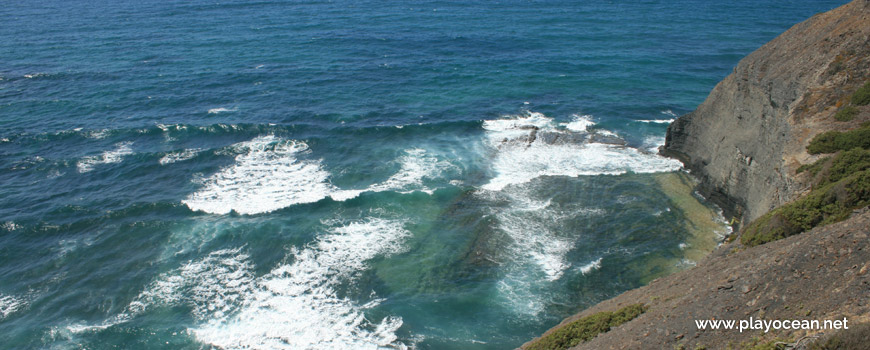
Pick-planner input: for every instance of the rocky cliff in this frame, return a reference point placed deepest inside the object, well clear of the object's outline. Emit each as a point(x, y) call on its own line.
point(748, 137)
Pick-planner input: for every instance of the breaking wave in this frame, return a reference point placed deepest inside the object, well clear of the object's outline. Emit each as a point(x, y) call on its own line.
point(87, 164)
point(270, 173)
point(531, 146)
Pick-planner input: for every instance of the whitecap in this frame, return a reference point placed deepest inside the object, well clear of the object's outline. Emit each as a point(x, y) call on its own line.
point(266, 176)
point(657, 121)
point(10, 226)
point(581, 123)
point(222, 110)
point(669, 112)
point(178, 156)
point(416, 165)
point(295, 306)
point(36, 75)
point(591, 266)
point(97, 134)
point(87, 164)
point(9, 305)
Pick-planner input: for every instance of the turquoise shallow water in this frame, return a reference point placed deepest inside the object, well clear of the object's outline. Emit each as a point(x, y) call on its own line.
point(335, 174)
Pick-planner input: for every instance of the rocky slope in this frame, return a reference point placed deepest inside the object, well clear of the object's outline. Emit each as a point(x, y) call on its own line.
point(749, 136)
point(823, 274)
point(744, 143)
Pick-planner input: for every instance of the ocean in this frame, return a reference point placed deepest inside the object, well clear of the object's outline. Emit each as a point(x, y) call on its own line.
point(347, 174)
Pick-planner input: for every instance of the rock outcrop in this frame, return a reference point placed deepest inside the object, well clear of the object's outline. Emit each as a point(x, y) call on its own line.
point(749, 136)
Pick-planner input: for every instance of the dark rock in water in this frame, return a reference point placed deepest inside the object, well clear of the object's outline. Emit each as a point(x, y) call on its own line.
point(561, 137)
point(607, 139)
point(747, 139)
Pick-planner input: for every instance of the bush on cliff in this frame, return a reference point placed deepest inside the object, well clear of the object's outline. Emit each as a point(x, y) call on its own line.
point(827, 204)
point(862, 96)
point(586, 328)
point(846, 114)
point(833, 141)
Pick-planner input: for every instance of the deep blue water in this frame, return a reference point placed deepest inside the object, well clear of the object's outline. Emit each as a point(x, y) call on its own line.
point(343, 174)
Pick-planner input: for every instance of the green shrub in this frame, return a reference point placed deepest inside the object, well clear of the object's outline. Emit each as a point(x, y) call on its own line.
point(862, 96)
point(847, 163)
point(833, 141)
point(846, 113)
point(587, 328)
point(827, 204)
point(813, 168)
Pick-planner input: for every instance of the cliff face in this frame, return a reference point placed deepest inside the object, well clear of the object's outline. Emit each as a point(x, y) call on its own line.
point(748, 137)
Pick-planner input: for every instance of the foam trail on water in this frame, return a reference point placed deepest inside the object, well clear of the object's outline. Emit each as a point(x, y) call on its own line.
point(87, 164)
point(415, 166)
point(296, 306)
point(267, 176)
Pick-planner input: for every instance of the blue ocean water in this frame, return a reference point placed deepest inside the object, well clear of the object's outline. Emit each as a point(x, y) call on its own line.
point(343, 174)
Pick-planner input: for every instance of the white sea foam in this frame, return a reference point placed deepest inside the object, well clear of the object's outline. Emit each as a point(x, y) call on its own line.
point(87, 164)
point(538, 248)
point(97, 134)
point(657, 121)
point(591, 266)
point(266, 176)
point(296, 306)
point(178, 156)
point(416, 165)
point(222, 110)
point(581, 123)
point(669, 112)
point(214, 287)
point(37, 75)
point(528, 222)
point(516, 164)
point(519, 161)
point(652, 143)
point(10, 226)
point(9, 305)
point(515, 126)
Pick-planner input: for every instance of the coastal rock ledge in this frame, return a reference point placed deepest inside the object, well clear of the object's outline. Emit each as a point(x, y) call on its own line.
point(744, 143)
